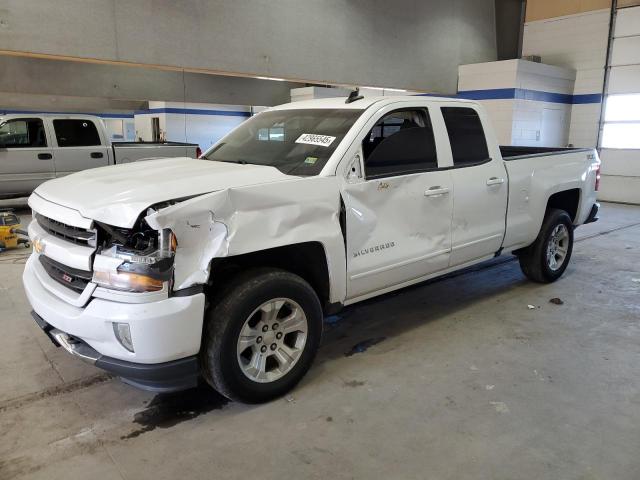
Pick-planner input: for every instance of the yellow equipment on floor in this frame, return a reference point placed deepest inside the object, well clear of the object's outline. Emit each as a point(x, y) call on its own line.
point(10, 232)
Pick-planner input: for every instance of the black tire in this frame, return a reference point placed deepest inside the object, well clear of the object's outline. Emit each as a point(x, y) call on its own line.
point(533, 260)
point(225, 319)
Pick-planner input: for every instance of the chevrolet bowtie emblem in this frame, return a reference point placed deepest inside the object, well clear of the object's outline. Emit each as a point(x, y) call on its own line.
point(38, 245)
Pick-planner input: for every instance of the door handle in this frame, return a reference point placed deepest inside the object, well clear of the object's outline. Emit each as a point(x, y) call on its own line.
point(495, 181)
point(436, 191)
point(45, 156)
point(96, 155)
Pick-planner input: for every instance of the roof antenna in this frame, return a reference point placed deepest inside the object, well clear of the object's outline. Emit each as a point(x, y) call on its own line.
point(354, 96)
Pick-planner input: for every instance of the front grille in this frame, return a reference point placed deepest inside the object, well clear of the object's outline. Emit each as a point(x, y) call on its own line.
point(71, 278)
point(68, 232)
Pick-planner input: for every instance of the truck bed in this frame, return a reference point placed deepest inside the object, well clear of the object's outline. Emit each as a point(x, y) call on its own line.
point(541, 173)
point(510, 152)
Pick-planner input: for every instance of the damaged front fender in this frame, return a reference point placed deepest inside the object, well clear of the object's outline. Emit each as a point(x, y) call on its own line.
point(249, 219)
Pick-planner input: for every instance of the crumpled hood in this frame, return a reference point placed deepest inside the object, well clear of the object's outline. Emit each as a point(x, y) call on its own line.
point(117, 194)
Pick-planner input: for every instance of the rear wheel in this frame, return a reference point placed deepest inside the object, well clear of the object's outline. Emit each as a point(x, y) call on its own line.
point(261, 335)
point(546, 259)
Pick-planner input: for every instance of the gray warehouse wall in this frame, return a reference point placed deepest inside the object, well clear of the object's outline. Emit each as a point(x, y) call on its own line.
point(58, 78)
point(413, 44)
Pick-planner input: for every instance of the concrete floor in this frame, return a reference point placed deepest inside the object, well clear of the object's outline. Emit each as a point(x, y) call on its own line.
point(460, 380)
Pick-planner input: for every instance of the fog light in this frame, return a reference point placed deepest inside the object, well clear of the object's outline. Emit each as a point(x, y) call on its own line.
point(123, 334)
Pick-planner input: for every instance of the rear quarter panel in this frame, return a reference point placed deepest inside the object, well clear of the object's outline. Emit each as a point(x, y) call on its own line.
point(533, 180)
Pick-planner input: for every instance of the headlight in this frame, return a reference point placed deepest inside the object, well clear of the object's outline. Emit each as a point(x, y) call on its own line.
point(130, 282)
point(147, 259)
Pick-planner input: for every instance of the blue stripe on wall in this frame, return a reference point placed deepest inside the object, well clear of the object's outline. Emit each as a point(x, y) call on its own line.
point(101, 115)
point(540, 96)
point(587, 98)
point(492, 94)
point(526, 94)
point(194, 111)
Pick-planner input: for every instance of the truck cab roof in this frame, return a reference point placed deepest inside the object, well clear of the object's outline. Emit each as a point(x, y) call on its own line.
point(362, 104)
point(63, 115)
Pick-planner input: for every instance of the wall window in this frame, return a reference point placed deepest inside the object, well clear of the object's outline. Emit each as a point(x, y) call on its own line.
point(115, 129)
point(468, 143)
point(76, 133)
point(400, 143)
point(621, 127)
point(22, 133)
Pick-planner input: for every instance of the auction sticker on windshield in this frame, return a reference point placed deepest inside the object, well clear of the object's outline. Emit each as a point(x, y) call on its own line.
point(313, 139)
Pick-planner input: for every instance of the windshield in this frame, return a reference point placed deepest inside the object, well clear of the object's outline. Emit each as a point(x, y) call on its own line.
point(296, 142)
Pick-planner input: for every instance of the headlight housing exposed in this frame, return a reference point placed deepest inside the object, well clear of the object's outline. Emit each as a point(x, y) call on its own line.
point(147, 258)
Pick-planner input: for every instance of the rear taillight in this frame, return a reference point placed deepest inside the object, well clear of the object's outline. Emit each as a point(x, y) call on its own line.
point(597, 178)
point(198, 152)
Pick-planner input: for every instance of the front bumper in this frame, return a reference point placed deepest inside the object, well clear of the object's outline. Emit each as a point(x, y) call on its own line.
point(166, 334)
point(161, 377)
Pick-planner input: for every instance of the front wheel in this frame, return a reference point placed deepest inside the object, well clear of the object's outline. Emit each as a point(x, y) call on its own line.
point(261, 336)
point(547, 258)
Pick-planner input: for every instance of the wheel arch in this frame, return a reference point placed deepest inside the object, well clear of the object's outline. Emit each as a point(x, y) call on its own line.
point(308, 260)
point(567, 200)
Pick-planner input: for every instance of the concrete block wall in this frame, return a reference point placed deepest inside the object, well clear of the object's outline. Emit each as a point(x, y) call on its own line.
point(529, 103)
point(577, 37)
point(578, 41)
point(311, 93)
point(488, 78)
point(543, 105)
point(347, 42)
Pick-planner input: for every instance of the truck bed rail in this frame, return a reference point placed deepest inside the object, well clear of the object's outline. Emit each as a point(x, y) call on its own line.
point(516, 152)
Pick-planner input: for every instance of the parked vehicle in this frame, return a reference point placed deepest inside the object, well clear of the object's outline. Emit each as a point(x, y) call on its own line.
point(224, 267)
point(36, 148)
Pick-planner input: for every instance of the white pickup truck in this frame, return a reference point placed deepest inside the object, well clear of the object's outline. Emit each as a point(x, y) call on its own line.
point(223, 267)
point(35, 148)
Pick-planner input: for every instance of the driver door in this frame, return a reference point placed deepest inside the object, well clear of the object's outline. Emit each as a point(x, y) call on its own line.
point(398, 211)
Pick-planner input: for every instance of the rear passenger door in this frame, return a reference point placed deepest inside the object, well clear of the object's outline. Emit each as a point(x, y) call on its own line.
point(25, 156)
point(398, 208)
point(79, 146)
point(480, 184)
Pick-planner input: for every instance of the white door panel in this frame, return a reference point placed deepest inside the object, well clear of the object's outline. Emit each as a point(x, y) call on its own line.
point(480, 184)
point(553, 128)
point(398, 229)
point(479, 211)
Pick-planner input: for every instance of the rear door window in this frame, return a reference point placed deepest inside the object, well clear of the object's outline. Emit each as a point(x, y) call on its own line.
point(400, 143)
point(76, 133)
point(23, 133)
point(468, 142)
